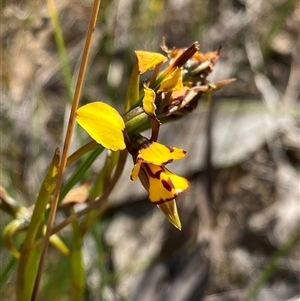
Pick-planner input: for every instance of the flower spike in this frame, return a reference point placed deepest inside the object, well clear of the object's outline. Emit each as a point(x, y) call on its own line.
point(168, 95)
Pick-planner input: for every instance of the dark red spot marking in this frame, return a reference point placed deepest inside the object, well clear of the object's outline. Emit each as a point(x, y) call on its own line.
point(169, 161)
point(157, 174)
point(162, 201)
point(150, 173)
point(168, 184)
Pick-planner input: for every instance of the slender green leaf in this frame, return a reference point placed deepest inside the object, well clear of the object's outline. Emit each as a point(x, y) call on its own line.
point(29, 257)
point(80, 172)
point(66, 70)
point(77, 268)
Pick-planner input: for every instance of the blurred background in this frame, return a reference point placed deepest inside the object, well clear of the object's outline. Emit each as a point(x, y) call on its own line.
point(243, 149)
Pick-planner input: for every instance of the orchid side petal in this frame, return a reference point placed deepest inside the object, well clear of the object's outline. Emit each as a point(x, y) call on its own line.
point(103, 123)
point(159, 154)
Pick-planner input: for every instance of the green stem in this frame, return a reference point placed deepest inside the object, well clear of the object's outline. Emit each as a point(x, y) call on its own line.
point(82, 151)
point(80, 171)
point(77, 267)
point(109, 182)
point(99, 203)
point(29, 257)
point(67, 142)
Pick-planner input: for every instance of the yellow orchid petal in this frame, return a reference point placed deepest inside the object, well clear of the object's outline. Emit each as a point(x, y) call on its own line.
point(163, 185)
point(172, 82)
point(159, 154)
point(103, 123)
point(169, 209)
point(135, 172)
point(148, 60)
point(148, 101)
